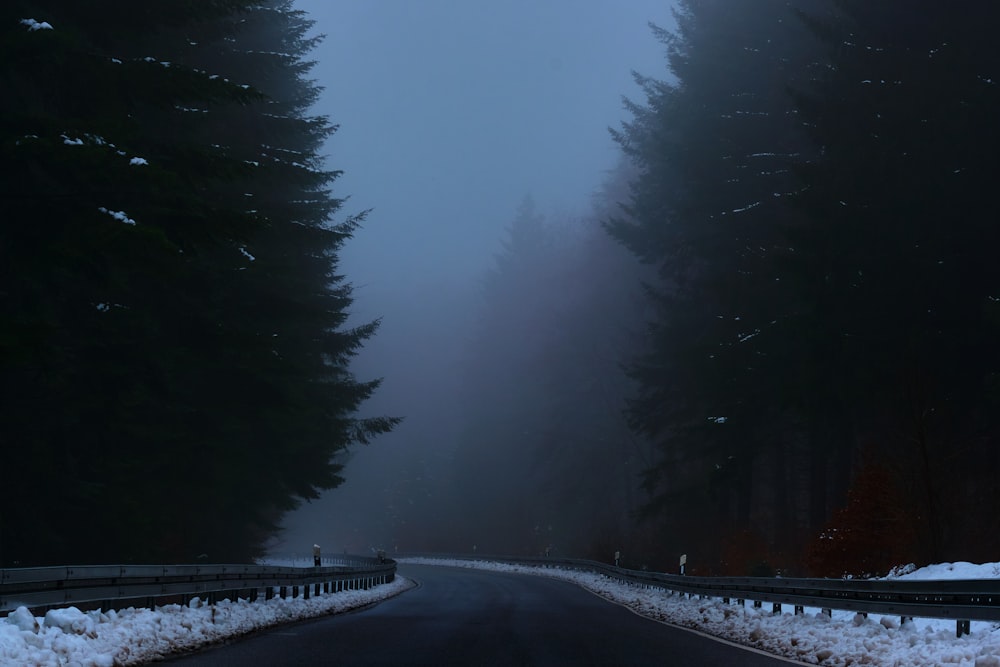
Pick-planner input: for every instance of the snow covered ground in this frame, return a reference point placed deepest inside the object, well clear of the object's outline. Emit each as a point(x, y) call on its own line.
point(812, 638)
point(72, 638)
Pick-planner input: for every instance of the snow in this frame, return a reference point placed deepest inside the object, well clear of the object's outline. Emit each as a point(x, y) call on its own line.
point(959, 570)
point(844, 639)
point(36, 25)
point(117, 215)
point(138, 161)
point(745, 208)
point(135, 636)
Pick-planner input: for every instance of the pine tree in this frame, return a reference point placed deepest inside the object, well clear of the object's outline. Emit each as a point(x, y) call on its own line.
point(543, 461)
point(715, 147)
point(178, 319)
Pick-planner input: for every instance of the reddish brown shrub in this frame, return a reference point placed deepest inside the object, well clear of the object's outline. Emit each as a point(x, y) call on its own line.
point(868, 536)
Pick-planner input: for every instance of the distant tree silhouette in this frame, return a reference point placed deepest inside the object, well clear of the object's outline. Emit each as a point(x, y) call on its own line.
point(544, 461)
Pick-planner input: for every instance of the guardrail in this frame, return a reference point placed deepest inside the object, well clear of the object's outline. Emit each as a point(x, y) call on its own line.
point(113, 586)
point(963, 600)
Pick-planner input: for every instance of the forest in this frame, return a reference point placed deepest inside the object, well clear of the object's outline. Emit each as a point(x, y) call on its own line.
point(769, 342)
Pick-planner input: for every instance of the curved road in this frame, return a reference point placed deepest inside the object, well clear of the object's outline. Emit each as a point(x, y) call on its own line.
point(459, 616)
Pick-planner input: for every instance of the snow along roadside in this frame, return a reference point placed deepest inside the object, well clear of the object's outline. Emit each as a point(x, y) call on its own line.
point(811, 638)
point(136, 636)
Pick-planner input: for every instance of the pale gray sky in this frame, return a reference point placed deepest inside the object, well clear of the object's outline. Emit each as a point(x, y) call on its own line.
point(451, 110)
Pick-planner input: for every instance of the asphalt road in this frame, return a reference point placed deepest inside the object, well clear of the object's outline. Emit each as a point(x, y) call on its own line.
point(479, 618)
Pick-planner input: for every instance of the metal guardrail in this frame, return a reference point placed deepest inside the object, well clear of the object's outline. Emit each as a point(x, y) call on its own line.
point(963, 600)
point(108, 586)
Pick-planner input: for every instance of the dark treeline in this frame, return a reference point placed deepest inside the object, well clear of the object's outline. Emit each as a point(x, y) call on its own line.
point(173, 348)
point(815, 194)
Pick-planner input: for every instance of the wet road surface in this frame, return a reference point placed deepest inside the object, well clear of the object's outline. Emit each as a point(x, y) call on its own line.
point(459, 616)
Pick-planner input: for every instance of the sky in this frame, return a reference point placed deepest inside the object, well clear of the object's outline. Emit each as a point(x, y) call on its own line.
point(449, 113)
point(137, 636)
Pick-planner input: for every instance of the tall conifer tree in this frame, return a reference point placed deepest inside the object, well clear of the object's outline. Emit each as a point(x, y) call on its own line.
point(715, 143)
point(175, 370)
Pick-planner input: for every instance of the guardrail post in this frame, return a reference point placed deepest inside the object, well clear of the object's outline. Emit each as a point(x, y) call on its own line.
point(283, 592)
point(295, 592)
point(740, 601)
point(269, 593)
point(828, 612)
point(757, 604)
point(725, 600)
point(776, 609)
point(962, 628)
point(799, 610)
point(305, 591)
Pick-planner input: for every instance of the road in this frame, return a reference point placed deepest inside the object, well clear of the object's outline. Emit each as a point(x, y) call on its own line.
point(458, 616)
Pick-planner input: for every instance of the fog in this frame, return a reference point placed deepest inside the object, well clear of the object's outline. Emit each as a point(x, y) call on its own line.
point(450, 114)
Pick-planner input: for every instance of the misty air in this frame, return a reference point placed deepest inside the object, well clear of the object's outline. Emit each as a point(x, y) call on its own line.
point(451, 311)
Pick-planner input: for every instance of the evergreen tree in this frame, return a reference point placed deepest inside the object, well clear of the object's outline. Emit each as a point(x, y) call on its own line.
point(503, 401)
point(715, 149)
point(175, 367)
point(544, 461)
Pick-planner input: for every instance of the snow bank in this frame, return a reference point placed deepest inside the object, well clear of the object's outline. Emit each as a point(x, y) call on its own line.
point(844, 639)
point(959, 570)
point(136, 636)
